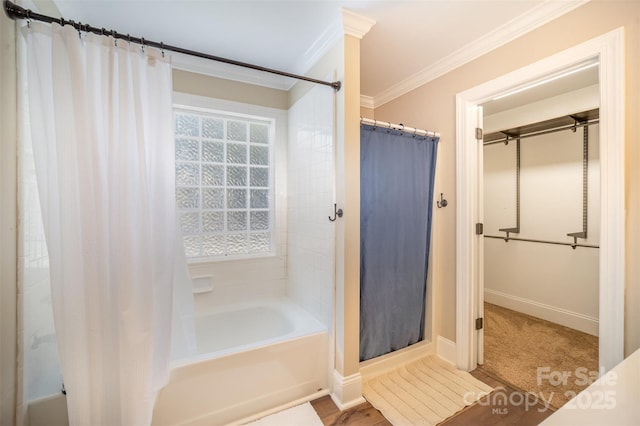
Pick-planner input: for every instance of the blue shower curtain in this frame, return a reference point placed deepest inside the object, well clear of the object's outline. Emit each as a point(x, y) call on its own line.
point(396, 197)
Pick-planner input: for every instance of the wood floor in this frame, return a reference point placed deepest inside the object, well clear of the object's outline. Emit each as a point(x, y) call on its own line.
point(361, 415)
point(506, 405)
point(512, 409)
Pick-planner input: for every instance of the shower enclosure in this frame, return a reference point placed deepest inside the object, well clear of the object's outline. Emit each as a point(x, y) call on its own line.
point(297, 278)
point(263, 328)
point(263, 325)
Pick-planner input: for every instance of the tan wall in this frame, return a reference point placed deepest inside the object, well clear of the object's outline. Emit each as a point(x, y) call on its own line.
point(350, 196)
point(218, 88)
point(366, 112)
point(432, 106)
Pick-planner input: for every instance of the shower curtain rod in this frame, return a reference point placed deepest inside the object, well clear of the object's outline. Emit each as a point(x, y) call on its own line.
point(401, 127)
point(16, 12)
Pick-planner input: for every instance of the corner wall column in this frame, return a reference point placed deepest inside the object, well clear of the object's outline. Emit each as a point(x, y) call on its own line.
point(346, 389)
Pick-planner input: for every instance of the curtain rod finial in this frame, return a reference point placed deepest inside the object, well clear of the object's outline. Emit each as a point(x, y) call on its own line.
point(13, 11)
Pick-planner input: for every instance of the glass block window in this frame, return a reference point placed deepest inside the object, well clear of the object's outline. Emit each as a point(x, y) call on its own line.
point(224, 172)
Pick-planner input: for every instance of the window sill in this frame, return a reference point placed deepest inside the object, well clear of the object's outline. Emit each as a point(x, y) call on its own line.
point(231, 258)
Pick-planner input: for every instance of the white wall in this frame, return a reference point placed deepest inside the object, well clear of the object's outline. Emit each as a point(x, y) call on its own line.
point(553, 282)
point(311, 236)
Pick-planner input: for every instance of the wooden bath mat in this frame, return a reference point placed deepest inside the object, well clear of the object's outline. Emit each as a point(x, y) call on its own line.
point(424, 392)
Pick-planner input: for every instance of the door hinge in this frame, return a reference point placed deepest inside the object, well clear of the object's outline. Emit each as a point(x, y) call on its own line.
point(479, 228)
point(478, 133)
point(479, 323)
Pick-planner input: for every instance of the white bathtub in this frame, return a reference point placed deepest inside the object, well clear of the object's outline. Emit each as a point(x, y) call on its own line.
point(252, 358)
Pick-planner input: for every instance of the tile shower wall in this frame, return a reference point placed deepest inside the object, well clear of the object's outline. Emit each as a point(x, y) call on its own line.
point(255, 278)
point(310, 198)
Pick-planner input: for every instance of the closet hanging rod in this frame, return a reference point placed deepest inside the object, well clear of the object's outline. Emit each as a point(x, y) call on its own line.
point(16, 12)
point(544, 132)
point(401, 127)
point(531, 240)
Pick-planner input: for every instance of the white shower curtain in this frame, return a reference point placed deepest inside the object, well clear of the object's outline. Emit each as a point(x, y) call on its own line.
point(101, 125)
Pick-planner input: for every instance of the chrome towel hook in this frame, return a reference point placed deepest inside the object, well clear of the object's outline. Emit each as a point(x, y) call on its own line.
point(336, 213)
point(442, 203)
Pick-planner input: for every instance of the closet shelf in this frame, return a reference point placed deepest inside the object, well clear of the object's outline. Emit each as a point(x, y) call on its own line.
point(566, 122)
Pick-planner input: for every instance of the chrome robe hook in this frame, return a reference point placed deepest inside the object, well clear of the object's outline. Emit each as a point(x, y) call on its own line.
point(336, 213)
point(442, 203)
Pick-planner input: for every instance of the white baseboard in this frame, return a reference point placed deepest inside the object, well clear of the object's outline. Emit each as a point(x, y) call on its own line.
point(577, 321)
point(347, 391)
point(446, 349)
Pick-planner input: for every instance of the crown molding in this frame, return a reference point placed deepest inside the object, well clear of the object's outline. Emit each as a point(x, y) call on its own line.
point(511, 30)
point(351, 23)
point(356, 25)
point(320, 47)
point(367, 101)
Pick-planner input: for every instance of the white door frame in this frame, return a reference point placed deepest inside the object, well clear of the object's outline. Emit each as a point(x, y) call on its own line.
point(609, 49)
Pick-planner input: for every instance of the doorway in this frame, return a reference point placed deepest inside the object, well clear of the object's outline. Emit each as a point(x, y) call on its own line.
point(541, 215)
point(607, 51)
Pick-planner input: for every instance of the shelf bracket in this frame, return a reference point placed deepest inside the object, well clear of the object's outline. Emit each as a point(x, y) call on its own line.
point(585, 188)
point(516, 229)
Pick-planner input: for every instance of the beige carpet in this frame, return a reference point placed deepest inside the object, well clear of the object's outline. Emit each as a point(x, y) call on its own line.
point(547, 359)
point(424, 392)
